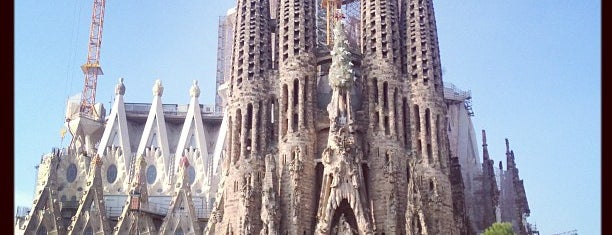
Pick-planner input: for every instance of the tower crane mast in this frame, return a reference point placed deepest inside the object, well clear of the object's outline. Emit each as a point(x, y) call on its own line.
point(92, 68)
point(85, 121)
point(345, 10)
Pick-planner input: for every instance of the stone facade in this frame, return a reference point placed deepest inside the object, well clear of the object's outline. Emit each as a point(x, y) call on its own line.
point(342, 152)
point(357, 137)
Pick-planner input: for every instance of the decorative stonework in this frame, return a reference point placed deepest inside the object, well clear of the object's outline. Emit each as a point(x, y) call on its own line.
point(91, 214)
point(120, 88)
point(158, 89)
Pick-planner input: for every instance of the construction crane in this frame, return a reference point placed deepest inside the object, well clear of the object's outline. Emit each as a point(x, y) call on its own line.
point(92, 68)
point(334, 12)
point(85, 118)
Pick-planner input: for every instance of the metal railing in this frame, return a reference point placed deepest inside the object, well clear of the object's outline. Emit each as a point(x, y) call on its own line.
point(169, 109)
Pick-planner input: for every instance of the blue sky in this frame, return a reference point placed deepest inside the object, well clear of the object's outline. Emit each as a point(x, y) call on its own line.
point(534, 69)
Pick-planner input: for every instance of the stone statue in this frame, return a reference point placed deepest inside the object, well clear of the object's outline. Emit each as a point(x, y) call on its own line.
point(195, 89)
point(354, 178)
point(158, 89)
point(343, 227)
point(120, 88)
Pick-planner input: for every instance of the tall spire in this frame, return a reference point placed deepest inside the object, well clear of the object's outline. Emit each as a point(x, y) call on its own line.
point(509, 157)
point(507, 146)
point(252, 57)
point(423, 53)
point(485, 151)
point(341, 79)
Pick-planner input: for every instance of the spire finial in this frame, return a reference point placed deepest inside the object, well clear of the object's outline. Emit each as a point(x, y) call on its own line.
point(484, 138)
point(195, 89)
point(507, 146)
point(120, 88)
point(158, 89)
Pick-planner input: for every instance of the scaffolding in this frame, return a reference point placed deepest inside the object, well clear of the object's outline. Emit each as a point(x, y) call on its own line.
point(571, 232)
point(220, 61)
point(225, 37)
point(349, 12)
point(451, 92)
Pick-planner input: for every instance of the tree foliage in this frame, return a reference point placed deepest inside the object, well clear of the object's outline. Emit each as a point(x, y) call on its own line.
point(497, 228)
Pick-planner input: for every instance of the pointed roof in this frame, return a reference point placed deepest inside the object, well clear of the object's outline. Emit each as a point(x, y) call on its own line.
point(131, 220)
point(193, 130)
point(181, 205)
point(45, 211)
point(485, 151)
point(91, 214)
point(155, 128)
point(116, 131)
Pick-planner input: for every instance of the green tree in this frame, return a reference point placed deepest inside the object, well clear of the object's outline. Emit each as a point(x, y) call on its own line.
point(497, 228)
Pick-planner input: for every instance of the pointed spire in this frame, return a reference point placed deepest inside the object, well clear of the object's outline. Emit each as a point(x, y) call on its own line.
point(341, 71)
point(484, 138)
point(509, 156)
point(485, 151)
point(507, 146)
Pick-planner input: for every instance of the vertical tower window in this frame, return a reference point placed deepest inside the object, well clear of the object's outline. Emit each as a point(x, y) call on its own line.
point(427, 122)
point(406, 122)
point(238, 132)
point(385, 95)
point(417, 118)
point(375, 90)
point(249, 126)
point(429, 154)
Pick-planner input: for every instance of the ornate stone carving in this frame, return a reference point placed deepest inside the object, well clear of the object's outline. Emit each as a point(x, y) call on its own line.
point(120, 88)
point(195, 89)
point(158, 89)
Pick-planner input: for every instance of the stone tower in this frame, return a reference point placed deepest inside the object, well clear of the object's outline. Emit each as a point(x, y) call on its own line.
point(341, 138)
point(249, 108)
point(296, 88)
point(490, 192)
point(513, 204)
point(386, 152)
point(428, 137)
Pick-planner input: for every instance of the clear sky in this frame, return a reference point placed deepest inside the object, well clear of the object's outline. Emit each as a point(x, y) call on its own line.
point(534, 69)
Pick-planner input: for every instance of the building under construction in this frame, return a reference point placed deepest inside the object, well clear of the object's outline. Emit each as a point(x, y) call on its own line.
point(331, 118)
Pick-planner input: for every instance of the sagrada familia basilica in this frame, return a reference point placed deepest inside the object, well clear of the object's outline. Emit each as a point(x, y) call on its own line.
point(332, 117)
